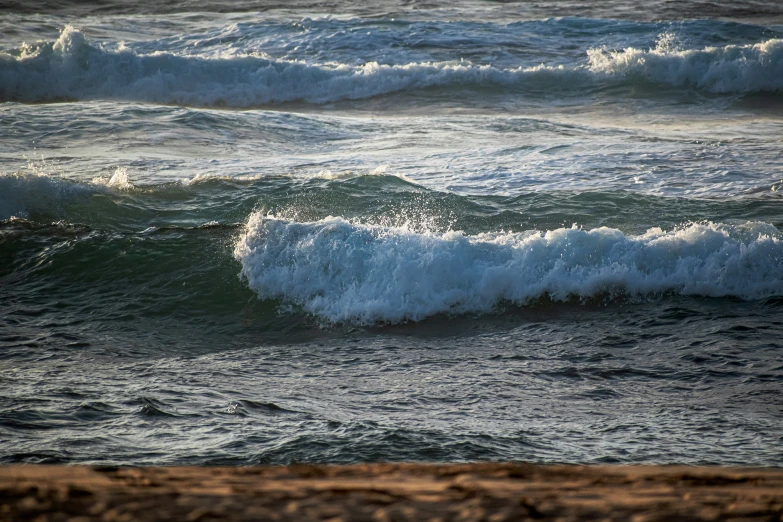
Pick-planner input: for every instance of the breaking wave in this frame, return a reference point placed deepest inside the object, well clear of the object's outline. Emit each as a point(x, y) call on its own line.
point(729, 69)
point(71, 68)
point(346, 272)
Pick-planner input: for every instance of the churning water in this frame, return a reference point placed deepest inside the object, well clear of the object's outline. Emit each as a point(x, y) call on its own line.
point(248, 233)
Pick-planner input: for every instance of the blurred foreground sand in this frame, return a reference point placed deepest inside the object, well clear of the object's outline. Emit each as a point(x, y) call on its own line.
point(391, 492)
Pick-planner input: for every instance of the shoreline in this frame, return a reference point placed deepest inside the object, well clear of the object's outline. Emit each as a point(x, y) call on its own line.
point(390, 492)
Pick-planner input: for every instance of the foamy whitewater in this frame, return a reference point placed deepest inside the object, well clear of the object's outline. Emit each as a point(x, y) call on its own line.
point(355, 273)
point(244, 234)
point(70, 68)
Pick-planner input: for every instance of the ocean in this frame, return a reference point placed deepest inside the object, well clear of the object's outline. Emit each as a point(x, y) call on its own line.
point(251, 232)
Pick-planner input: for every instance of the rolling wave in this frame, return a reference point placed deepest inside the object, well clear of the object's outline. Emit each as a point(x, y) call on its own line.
point(24, 192)
point(346, 272)
point(729, 69)
point(71, 68)
point(34, 190)
point(395, 262)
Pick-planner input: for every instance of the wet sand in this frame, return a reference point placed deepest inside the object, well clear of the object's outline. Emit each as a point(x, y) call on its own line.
point(391, 492)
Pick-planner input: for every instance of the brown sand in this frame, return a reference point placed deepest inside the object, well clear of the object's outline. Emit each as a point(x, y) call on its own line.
point(390, 492)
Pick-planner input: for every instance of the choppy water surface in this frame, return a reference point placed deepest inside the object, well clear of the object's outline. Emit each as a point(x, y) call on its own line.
point(245, 234)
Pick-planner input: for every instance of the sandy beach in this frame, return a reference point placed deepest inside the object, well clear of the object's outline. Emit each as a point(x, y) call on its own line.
point(388, 492)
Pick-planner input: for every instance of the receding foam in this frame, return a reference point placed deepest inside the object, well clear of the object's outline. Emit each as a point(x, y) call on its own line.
point(348, 272)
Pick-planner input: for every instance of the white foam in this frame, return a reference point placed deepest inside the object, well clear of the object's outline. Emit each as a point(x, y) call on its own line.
point(73, 68)
point(118, 180)
point(381, 170)
point(729, 69)
point(329, 175)
point(348, 272)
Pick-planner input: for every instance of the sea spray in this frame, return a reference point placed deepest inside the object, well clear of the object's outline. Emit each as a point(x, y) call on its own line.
point(726, 69)
point(350, 272)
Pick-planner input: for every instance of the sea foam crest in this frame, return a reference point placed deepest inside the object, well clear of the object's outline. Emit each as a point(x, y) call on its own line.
point(346, 272)
point(73, 68)
point(729, 69)
point(118, 180)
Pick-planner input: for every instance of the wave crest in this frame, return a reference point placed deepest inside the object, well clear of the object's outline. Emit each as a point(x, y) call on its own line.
point(72, 68)
point(346, 272)
point(36, 190)
point(730, 69)
point(33, 190)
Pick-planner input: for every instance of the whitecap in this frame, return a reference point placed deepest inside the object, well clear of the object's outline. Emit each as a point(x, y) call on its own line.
point(349, 272)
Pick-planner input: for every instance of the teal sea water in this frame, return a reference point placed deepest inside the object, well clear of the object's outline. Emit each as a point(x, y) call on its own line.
point(250, 233)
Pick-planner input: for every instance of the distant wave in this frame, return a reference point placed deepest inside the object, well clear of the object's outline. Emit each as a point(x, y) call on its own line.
point(729, 69)
point(345, 272)
point(71, 68)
